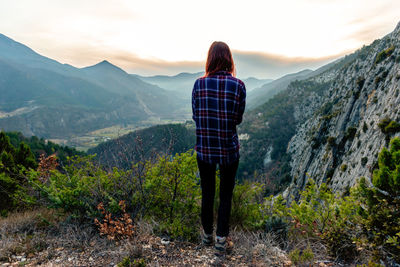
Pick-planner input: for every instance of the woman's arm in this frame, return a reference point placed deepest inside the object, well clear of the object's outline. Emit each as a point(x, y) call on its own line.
point(242, 105)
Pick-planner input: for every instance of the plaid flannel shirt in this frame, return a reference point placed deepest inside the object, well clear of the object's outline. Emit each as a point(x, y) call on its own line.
point(218, 103)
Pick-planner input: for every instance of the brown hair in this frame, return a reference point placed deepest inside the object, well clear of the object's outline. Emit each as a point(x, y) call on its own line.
point(219, 59)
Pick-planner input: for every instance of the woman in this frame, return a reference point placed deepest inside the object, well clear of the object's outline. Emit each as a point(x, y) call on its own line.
point(218, 103)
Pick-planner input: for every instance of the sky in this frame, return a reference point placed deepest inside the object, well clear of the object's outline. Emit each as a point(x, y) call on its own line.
point(268, 38)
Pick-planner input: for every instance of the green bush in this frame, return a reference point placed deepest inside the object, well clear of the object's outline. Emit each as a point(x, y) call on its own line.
point(392, 128)
point(384, 54)
point(320, 214)
point(381, 205)
point(83, 185)
point(14, 164)
point(365, 127)
point(343, 168)
point(389, 126)
point(174, 194)
point(246, 201)
point(331, 141)
point(350, 133)
point(364, 161)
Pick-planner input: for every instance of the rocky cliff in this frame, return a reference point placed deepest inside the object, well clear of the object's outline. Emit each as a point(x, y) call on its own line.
point(340, 132)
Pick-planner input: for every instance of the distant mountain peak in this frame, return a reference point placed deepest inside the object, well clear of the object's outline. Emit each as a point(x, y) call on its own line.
point(105, 65)
point(105, 62)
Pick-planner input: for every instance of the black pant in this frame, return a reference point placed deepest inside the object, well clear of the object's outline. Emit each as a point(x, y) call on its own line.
point(227, 183)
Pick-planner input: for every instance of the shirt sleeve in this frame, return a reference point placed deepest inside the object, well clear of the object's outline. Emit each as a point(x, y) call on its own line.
point(242, 104)
point(194, 101)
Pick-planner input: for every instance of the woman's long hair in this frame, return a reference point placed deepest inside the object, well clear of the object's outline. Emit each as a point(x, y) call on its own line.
point(219, 59)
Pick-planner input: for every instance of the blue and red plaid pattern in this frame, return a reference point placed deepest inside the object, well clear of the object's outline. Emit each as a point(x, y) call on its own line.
point(218, 103)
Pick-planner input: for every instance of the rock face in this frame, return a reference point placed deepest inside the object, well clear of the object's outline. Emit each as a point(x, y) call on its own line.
point(338, 138)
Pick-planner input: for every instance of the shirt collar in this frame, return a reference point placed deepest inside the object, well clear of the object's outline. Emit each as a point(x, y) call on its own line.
point(222, 72)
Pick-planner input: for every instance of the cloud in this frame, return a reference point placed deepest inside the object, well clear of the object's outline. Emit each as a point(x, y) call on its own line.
point(265, 65)
point(256, 64)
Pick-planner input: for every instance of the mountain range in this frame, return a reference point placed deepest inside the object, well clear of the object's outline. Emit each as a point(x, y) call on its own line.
point(183, 82)
point(42, 97)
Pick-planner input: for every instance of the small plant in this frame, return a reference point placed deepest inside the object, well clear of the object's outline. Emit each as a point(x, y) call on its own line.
point(384, 54)
point(115, 229)
point(305, 256)
point(350, 133)
point(331, 141)
point(126, 262)
point(278, 227)
point(343, 168)
point(360, 82)
point(364, 161)
point(365, 127)
point(46, 166)
point(389, 126)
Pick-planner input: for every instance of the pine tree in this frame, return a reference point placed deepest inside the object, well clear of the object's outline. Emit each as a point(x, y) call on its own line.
point(382, 201)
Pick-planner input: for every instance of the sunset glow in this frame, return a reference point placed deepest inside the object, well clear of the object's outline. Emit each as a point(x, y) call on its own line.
point(167, 37)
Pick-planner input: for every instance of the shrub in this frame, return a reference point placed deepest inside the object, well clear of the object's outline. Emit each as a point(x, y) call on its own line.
point(304, 257)
point(389, 126)
point(277, 226)
point(350, 133)
point(343, 168)
point(360, 82)
point(173, 192)
point(384, 54)
point(320, 214)
point(392, 128)
point(14, 164)
point(245, 205)
point(83, 185)
point(331, 141)
point(383, 123)
point(381, 205)
point(365, 127)
point(119, 228)
point(364, 161)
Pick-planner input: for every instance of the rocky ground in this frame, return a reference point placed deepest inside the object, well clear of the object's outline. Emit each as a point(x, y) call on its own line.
point(40, 238)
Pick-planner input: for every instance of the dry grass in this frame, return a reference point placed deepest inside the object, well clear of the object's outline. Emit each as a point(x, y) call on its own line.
point(47, 239)
point(260, 249)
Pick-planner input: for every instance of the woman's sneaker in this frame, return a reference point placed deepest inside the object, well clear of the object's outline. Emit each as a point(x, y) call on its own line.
point(223, 245)
point(206, 239)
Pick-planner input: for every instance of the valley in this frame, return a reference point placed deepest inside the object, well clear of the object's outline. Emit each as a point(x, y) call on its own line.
point(298, 126)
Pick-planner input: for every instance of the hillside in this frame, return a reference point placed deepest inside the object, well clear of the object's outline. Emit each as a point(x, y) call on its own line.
point(43, 97)
point(40, 146)
point(348, 125)
point(267, 91)
point(145, 144)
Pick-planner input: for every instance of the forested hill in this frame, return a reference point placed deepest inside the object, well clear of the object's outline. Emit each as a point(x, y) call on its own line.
point(145, 144)
point(40, 146)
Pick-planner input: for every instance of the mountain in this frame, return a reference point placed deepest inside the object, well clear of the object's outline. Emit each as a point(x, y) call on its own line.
point(183, 82)
point(42, 97)
point(260, 95)
point(253, 83)
point(344, 128)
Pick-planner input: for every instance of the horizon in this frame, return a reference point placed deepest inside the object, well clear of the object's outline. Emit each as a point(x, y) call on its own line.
point(148, 41)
